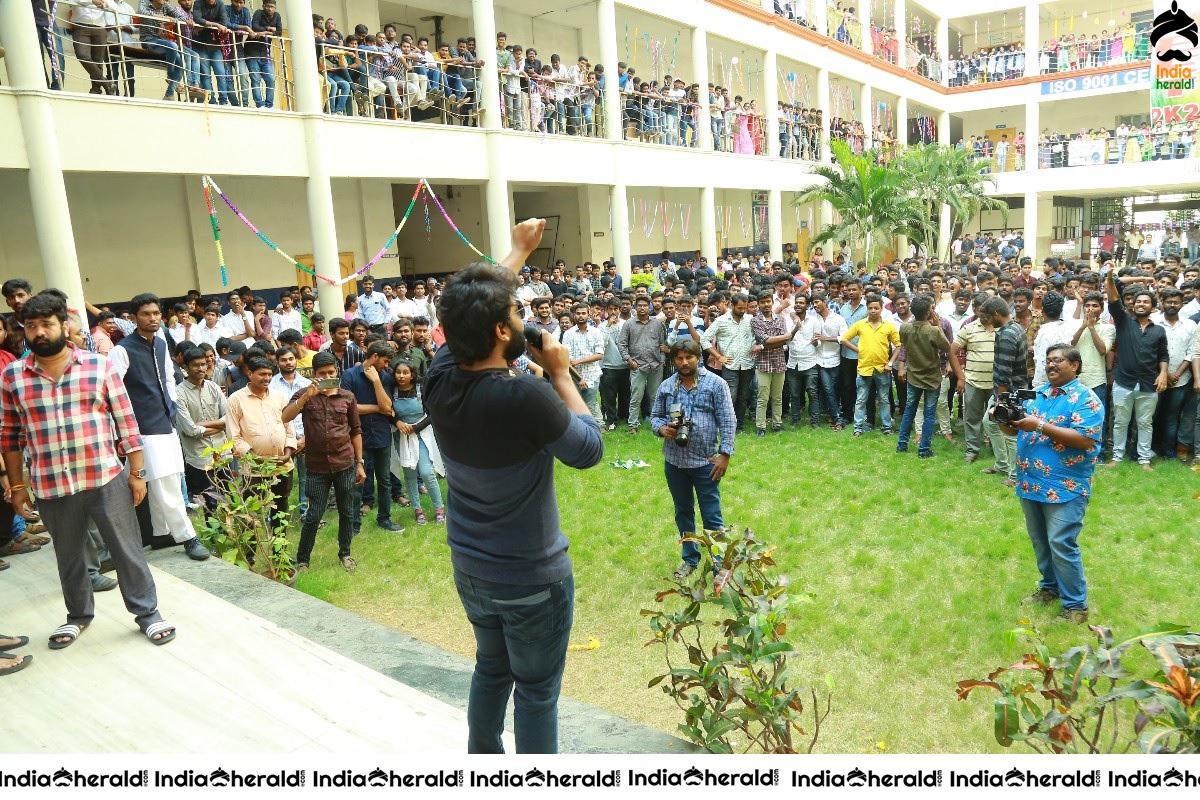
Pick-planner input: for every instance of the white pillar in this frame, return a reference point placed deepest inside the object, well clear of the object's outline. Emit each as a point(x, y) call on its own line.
point(708, 224)
point(1030, 227)
point(768, 6)
point(606, 20)
point(1033, 37)
point(771, 101)
point(901, 25)
point(775, 223)
point(298, 17)
point(943, 243)
point(497, 202)
point(618, 206)
point(864, 11)
point(704, 138)
point(901, 132)
point(943, 48)
point(47, 189)
point(1033, 124)
point(820, 10)
point(825, 103)
point(943, 128)
point(483, 18)
point(866, 109)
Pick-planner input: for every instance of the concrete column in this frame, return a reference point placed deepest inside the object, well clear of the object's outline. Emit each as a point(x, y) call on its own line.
point(901, 24)
point(866, 113)
point(704, 138)
point(825, 103)
point(606, 27)
point(820, 16)
point(618, 207)
point(775, 222)
point(943, 48)
point(298, 17)
point(768, 6)
point(47, 188)
point(1033, 124)
point(864, 13)
point(1033, 37)
point(943, 243)
point(1031, 228)
point(901, 131)
point(497, 202)
point(708, 224)
point(943, 128)
point(771, 102)
point(483, 19)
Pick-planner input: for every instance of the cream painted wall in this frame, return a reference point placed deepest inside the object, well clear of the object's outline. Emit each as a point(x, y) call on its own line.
point(564, 203)
point(547, 37)
point(440, 250)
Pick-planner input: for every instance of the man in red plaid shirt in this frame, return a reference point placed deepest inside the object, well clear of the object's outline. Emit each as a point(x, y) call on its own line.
point(69, 410)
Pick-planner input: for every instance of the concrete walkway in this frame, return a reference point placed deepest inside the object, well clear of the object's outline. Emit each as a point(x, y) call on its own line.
point(251, 671)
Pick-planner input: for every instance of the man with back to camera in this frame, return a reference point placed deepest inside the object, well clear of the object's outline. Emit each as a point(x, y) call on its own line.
point(702, 400)
point(499, 432)
point(1058, 444)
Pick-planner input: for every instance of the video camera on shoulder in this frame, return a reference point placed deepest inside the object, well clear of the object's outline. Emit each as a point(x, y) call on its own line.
point(1010, 407)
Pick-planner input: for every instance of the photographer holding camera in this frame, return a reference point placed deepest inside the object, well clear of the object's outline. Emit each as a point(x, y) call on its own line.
point(500, 431)
point(1009, 373)
point(1058, 443)
point(693, 412)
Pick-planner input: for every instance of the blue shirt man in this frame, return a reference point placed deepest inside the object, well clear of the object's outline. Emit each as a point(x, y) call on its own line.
point(373, 308)
point(701, 401)
point(1058, 443)
point(372, 386)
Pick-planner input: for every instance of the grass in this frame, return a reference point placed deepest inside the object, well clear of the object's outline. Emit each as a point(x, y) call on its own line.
point(917, 569)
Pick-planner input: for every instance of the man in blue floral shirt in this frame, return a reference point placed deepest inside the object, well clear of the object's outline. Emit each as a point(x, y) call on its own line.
point(1058, 443)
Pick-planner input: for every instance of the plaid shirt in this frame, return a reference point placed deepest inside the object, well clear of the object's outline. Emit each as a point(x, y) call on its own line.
point(1009, 369)
point(710, 408)
point(68, 427)
point(763, 328)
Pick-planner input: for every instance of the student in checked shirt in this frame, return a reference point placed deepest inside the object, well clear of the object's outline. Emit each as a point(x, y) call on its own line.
point(70, 411)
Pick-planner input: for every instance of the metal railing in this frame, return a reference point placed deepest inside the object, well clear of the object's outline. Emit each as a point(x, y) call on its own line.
point(1171, 143)
point(241, 69)
point(548, 105)
point(1069, 54)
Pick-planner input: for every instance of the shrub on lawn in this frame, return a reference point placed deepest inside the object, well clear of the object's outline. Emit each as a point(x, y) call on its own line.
point(727, 624)
point(1073, 703)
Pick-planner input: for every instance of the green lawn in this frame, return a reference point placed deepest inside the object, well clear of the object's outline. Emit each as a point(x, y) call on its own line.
point(916, 566)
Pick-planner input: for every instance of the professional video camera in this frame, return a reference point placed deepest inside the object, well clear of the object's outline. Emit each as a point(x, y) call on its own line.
point(1009, 407)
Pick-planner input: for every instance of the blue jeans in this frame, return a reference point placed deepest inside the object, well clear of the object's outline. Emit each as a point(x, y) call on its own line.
point(262, 73)
point(802, 385)
point(339, 93)
point(883, 388)
point(521, 635)
point(687, 123)
point(670, 121)
point(424, 469)
point(212, 60)
point(169, 52)
point(379, 470)
point(1054, 530)
point(649, 121)
point(316, 491)
point(829, 377)
point(682, 483)
point(191, 63)
point(1174, 401)
point(915, 393)
point(718, 132)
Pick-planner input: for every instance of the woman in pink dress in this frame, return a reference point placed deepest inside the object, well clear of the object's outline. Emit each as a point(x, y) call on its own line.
point(743, 142)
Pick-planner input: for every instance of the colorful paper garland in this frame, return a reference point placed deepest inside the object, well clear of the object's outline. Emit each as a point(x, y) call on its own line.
point(422, 186)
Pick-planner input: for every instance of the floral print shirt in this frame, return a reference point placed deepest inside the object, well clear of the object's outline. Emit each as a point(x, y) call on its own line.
point(1049, 472)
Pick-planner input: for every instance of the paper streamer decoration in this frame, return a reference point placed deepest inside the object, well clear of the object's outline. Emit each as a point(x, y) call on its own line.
point(216, 229)
point(422, 187)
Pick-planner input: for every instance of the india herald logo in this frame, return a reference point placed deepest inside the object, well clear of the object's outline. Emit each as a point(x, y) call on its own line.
point(1175, 27)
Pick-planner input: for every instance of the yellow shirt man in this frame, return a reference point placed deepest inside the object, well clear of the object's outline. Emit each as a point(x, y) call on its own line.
point(875, 340)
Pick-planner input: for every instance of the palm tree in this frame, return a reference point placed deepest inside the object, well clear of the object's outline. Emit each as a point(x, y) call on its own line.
point(939, 175)
point(870, 199)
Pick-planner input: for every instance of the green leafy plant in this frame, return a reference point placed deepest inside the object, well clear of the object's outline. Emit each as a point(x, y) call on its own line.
point(238, 527)
point(1074, 702)
point(727, 659)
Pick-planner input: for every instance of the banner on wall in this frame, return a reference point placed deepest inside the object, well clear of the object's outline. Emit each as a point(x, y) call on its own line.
point(1086, 152)
point(1175, 62)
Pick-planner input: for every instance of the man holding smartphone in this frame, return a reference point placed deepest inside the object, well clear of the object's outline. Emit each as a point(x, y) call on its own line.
point(499, 432)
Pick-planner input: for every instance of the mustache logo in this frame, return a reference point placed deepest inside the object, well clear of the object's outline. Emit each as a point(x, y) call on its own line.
point(1174, 55)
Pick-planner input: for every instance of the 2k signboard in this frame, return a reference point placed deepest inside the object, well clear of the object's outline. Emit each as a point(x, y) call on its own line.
point(1175, 62)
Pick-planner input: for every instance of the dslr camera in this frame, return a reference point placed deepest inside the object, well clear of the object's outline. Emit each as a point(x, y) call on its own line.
point(1009, 408)
point(683, 425)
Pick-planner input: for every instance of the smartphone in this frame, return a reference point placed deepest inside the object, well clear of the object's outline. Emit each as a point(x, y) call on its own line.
point(329, 383)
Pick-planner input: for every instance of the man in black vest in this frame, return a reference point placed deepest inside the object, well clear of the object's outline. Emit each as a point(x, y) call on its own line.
point(142, 360)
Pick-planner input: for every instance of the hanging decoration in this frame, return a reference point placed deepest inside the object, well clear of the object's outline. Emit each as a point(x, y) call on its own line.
point(742, 222)
point(428, 226)
point(56, 69)
point(647, 222)
point(668, 215)
point(685, 222)
point(422, 187)
point(632, 216)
